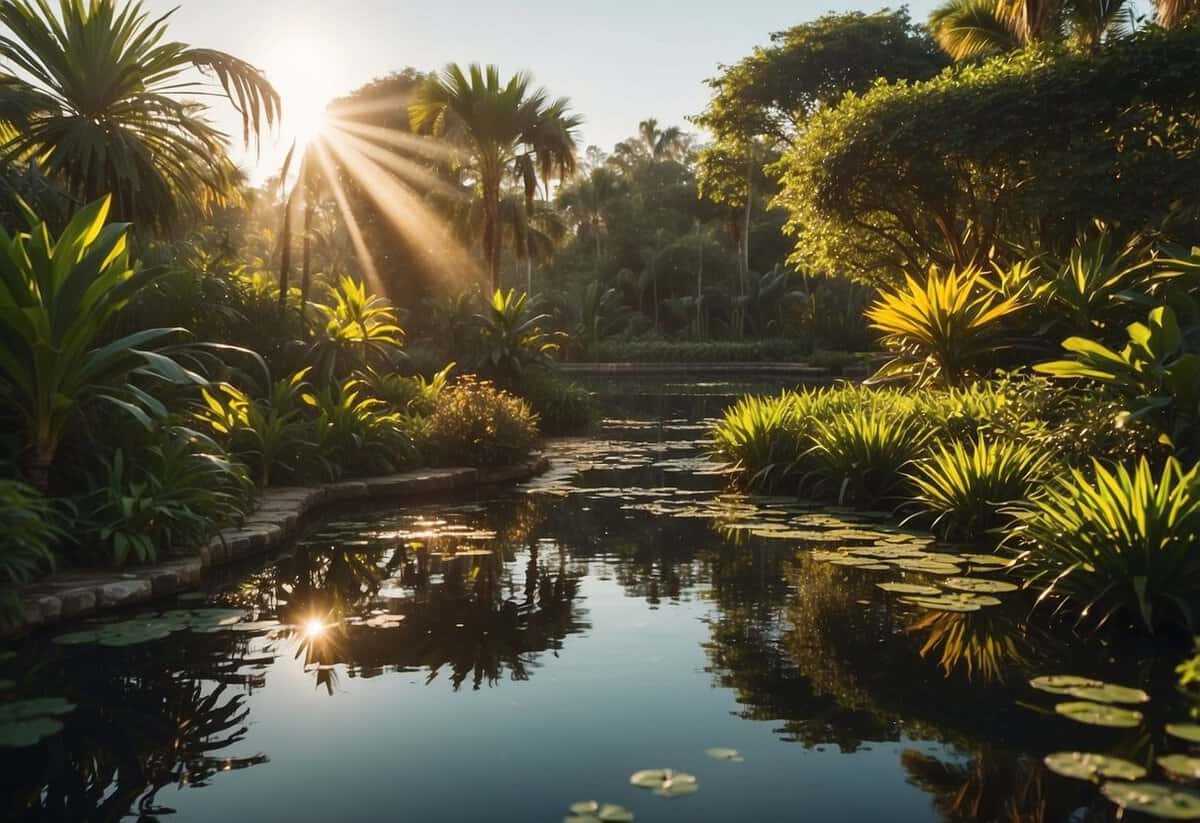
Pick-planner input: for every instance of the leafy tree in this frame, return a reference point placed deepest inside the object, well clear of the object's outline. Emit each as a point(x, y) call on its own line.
point(968, 166)
point(104, 103)
point(510, 130)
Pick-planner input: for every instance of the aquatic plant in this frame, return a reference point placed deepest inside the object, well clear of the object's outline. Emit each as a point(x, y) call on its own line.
point(861, 455)
point(966, 487)
point(762, 438)
point(1118, 540)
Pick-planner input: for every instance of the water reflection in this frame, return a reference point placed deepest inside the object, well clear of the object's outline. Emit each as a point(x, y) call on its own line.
point(601, 602)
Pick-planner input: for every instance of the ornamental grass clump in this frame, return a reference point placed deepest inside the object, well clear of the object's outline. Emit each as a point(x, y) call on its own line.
point(476, 424)
point(964, 487)
point(762, 438)
point(860, 456)
point(1117, 541)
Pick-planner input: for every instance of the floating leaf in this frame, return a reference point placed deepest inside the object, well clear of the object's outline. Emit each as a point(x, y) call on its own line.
point(28, 722)
point(910, 588)
point(942, 604)
point(665, 782)
point(612, 813)
point(724, 754)
point(1088, 766)
point(1185, 731)
point(1181, 765)
point(585, 807)
point(1099, 714)
point(1086, 688)
point(1154, 799)
point(926, 566)
point(987, 560)
point(974, 584)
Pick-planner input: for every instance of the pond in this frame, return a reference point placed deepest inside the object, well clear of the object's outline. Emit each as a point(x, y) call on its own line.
point(504, 657)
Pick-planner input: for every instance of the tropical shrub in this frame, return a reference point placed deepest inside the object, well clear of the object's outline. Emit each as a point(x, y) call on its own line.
point(173, 493)
point(57, 298)
point(860, 456)
point(270, 434)
point(1117, 540)
point(31, 529)
point(762, 438)
point(966, 487)
point(561, 406)
point(356, 433)
point(476, 424)
point(357, 330)
point(512, 338)
point(944, 330)
point(412, 395)
point(1156, 376)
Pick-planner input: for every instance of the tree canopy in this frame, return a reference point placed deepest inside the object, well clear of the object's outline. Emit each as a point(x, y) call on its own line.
point(1018, 152)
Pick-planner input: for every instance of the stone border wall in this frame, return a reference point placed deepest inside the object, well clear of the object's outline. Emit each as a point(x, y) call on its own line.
point(278, 517)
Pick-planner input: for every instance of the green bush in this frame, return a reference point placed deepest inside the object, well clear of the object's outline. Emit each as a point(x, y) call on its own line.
point(31, 531)
point(475, 424)
point(412, 395)
point(964, 487)
point(860, 456)
point(173, 493)
point(357, 434)
point(1116, 540)
point(762, 438)
point(562, 407)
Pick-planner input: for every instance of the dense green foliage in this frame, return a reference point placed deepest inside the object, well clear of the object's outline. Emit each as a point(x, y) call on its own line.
point(1117, 538)
point(478, 425)
point(912, 174)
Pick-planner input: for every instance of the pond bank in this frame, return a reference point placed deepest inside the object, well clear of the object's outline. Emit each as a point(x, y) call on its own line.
point(278, 517)
point(800, 372)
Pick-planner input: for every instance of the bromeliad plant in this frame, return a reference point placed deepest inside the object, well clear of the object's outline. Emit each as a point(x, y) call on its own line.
point(1118, 540)
point(944, 330)
point(512, 337)
point(357, 432)
point(57, 298)
point(359, 330)
point(966, 486)
point(1156, 375)
point(270, 434)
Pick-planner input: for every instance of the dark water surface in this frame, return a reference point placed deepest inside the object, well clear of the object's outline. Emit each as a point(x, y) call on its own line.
point(499, 658)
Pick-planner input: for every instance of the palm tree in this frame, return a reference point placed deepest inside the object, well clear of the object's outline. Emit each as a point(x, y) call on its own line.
point(653, 144)
point(98, 98)
point(508, 130)
point(971, 29)
point(1172, 13)
point(587, 200)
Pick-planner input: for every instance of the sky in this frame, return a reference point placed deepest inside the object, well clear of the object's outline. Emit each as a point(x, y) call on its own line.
point(620, 61)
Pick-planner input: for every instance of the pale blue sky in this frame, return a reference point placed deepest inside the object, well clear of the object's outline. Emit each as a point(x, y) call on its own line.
point(620, 61)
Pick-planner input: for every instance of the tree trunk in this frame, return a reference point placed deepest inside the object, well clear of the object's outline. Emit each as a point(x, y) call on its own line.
point(744, 267)
point(306, 264)
point(700, 293)
point(491, 228)
point(285, 255)
point(37, 464)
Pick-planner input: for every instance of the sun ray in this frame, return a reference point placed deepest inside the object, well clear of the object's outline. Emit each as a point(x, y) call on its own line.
point(432, 149)
point(413, 173)
point(408, 213)
point(370, 271)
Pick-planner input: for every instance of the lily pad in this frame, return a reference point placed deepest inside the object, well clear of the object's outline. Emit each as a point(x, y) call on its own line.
point(585, 807)
point(27, 722)
point(1099, 714)
point(974, 584)
point(1185, 731)
point(665, 782)
point(910, 588)
point(987, 560)
point(942, 604)
point(926, 566)
point(1089, 766)
point(732, 755)
point(1086, 688)
point(1181, 765)
point(612, 813)
point(1154, 799)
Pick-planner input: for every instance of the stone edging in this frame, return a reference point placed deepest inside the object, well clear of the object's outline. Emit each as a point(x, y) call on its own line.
point(277, 518)
point(799, 371)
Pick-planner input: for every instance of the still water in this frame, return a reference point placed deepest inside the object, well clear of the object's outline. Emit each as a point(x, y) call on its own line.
point(502, 657)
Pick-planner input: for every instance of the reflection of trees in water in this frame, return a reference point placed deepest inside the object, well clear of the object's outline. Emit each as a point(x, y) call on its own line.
point(481, 617)
point(995, 786)
point(146, 718)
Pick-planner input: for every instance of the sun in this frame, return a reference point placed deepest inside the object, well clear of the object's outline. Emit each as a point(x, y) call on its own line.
point(301, 71)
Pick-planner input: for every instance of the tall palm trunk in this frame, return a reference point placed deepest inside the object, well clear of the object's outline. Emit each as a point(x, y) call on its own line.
point(491, 221)
point(285, 255)
point(306, 264)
